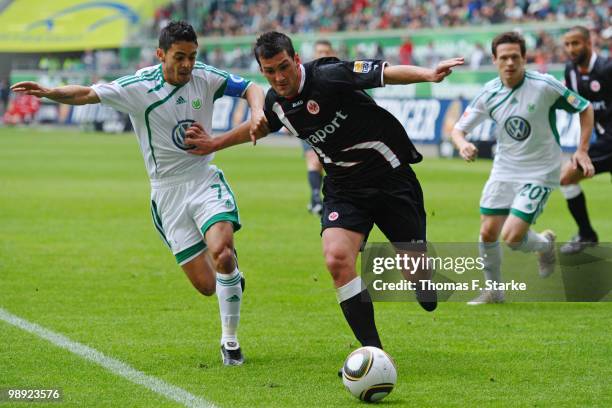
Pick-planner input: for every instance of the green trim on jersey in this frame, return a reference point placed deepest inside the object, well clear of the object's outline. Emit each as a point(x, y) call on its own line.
point(158, 222)
point(494, 211)
point(566, 94)
point(209, 68)
point(128, 78)
point(499, 104)
point(144, 73)
point(148, 76)
point(189, 252)
point(148, 111)
point(219, 93)
point(552, 118)
point(158, 86)
point(558, 87)
point(507, 96)
point(568, 107)
point(124, 78)
point(501, 86)
point(562, 103)
point(139, 79)
point(161, 83)
point(231, 216)
point(483, 92)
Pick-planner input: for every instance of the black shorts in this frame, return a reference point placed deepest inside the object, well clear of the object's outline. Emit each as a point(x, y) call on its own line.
point(600, 153)
point(394, 203)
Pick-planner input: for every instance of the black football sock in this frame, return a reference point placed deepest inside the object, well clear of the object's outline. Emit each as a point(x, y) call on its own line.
point(314, 179)
point(359, 313)
point(577, 207)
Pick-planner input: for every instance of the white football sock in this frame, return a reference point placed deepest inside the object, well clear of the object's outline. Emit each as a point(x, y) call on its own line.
point(534, 242)
point(229, 293)
point(571, 191)
point(491, 253)
point(350, 289)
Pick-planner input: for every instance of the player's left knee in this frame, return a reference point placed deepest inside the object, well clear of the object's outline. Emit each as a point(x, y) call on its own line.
point(223, 258)
point(337, 262)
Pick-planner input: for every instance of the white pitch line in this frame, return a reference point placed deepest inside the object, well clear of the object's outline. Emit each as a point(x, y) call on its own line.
point(115, 366)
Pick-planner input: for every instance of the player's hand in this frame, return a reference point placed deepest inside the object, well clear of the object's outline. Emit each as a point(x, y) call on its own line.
point(468, 151)
point(30, 88)
point(196, 136)
point(259, 125)
point(445, 68)
point(581, 159)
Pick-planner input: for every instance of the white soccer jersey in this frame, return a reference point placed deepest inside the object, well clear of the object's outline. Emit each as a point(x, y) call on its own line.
point(528, 147)
point(161, 112)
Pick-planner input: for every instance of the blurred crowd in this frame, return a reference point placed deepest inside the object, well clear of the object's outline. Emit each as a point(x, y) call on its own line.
point(247, 17)
point(543, 51)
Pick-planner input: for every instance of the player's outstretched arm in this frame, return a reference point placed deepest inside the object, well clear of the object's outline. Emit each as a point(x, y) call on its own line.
point(467, 150)
point(410, 74)
point(581, 157)
point(69, 94)
point(205, 144)
point(259, 125)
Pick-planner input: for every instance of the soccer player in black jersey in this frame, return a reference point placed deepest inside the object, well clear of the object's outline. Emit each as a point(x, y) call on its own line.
point(590, 75)
point(364, 149)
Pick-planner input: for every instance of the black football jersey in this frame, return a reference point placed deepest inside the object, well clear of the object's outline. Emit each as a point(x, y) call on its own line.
point(356, 140)
point(596, 86)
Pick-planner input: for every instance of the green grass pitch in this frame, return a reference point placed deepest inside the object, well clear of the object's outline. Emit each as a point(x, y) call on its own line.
point(79, 255)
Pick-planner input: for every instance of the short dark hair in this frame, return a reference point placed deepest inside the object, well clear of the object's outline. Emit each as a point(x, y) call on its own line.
point(323, 42)
point(586, 34)
point(176, 31)
point(509, 37)
point(271, 43)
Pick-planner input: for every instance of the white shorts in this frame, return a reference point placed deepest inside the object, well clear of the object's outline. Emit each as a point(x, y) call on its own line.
point(524, 200)
point(185, 207)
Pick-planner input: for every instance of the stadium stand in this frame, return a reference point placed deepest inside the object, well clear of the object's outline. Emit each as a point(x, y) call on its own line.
point(244, 17)
point(230, 18)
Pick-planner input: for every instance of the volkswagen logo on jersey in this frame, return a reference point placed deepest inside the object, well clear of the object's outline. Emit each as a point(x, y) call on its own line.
point(517, 128)
point(178, 134)
point(312, 107)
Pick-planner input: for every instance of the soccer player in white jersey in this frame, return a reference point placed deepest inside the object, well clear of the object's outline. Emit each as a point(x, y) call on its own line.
point(192, 205)
point(528, 159)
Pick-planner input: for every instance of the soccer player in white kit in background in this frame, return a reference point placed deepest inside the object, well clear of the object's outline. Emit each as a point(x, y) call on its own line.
point(192, 205)
point(528, 159)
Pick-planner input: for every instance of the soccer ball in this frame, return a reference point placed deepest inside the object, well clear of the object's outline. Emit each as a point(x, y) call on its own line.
point(369, 374)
